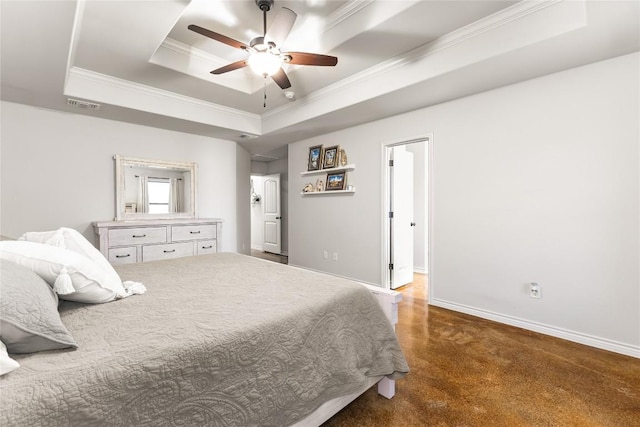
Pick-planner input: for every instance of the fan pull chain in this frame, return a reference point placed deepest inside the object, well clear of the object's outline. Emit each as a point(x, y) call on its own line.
point(265, 92)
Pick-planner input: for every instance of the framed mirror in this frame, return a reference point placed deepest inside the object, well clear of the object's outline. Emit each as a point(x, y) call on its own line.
point(154, 189)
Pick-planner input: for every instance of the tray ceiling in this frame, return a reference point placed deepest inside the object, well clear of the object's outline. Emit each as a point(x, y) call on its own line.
point(141, 63)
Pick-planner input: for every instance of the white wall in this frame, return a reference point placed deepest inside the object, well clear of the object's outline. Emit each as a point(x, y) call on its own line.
point(348, 224)
point(537, 181)
point(258, 168)
point(58, 170)
point(243, 216)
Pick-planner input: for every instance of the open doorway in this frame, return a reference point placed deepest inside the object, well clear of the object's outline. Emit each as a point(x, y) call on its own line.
point(405, 211)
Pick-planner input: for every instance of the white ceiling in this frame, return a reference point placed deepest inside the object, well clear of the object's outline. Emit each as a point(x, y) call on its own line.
point(141, 63)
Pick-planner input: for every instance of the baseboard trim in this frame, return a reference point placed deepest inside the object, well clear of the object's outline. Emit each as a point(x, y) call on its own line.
point(419, 270)
point(377, 285)
point(592, 341)
point(259, 248)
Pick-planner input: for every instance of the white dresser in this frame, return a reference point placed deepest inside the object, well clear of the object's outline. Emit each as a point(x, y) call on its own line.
point(123, 242)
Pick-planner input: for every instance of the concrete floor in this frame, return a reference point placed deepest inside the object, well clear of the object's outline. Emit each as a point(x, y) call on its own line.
point(467, 371)
point(282, 259)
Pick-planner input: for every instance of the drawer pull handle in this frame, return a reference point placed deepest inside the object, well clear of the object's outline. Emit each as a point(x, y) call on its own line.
point(123, 256)
point(139, 235)
point(207, 247)
point(194, 232)
point(168, 252)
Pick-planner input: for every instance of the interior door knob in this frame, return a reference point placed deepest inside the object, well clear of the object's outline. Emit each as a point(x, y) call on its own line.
point(413, 224)
point(278, 217)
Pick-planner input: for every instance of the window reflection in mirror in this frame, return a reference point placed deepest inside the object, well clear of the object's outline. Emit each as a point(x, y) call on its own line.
point(159, 193)
point(154, 188)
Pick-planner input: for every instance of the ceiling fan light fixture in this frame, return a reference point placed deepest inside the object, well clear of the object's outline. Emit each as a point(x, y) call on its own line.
point(265, 55)
point(265, 63)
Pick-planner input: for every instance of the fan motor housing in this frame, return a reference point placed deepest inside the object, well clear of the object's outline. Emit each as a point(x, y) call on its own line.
point(264, 5)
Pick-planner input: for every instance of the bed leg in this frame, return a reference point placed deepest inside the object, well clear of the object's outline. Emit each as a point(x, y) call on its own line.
point(387, 387)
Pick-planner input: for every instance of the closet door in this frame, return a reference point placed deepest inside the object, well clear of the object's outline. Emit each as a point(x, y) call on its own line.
point(272, 215)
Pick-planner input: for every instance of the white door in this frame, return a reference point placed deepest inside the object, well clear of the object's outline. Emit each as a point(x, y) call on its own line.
point(272, 239)
point(402, 217)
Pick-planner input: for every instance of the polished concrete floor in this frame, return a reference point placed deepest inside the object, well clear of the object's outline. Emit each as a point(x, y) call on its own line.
point(282, 259)
point(466, 371)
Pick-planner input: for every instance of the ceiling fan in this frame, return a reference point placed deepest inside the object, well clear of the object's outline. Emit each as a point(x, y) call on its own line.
point(265, 56)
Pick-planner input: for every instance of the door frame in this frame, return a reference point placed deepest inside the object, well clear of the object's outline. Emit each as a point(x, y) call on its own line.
point(385, 185)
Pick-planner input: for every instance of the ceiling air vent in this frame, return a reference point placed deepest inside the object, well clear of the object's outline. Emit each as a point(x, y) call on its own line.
point(248, 136)
point(83, 104)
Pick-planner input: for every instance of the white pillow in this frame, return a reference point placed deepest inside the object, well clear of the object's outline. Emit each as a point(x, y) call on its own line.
point(7, 364)
point(71, 239)
point(73, 276)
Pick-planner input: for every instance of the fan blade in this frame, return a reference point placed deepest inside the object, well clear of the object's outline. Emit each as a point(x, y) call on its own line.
point(219, 37)
point(281, 79)
point(233, 66)
point(281, 26)
point(304, 58)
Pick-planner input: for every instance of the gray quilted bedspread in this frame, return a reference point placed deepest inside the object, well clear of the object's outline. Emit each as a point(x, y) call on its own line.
point(217, 340)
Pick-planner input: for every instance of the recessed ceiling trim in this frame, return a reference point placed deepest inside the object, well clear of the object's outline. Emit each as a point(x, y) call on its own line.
point(345, 12)
point(263, 158)
point(512, 28)
point(507, 30)
point(75, 36)
point(490, 23)
point(197, 63)
point(354, 18)
point(111, 90)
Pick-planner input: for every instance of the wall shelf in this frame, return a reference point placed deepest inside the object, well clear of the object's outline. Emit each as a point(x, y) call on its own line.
point(327, 193)
point(348, 167)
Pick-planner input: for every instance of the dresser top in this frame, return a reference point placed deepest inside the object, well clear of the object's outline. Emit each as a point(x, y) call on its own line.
point(152, 222)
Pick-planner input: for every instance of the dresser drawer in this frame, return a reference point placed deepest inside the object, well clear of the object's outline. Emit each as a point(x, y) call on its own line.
point(193, 232)
point(170, 250)
point(125, 255)
point(137, 236)
point(206, 247)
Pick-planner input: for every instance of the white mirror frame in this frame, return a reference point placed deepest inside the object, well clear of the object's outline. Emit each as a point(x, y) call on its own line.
point(122, 161)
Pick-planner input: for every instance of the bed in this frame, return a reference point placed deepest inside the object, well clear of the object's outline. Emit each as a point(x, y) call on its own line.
point(217, 340)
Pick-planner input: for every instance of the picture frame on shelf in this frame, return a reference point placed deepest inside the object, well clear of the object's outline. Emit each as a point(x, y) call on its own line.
point(336, 181)
point(330, 157)
point(315, 158)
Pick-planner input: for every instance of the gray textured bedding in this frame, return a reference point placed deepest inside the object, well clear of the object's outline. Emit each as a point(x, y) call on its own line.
point(217, 340)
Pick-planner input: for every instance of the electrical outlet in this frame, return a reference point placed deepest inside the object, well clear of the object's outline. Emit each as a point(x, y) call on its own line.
point(535, 291)
point(325, 255)
point(335, 256)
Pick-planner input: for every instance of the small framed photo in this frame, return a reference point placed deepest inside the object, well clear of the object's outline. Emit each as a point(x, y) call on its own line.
point(330, 157)
point(315, 158)
point(336, 181)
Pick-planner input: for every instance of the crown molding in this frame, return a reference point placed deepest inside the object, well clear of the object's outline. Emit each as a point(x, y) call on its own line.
point(189, 60)
point(457, 37)
point(345, 12)
point(454, 51)
point(112, 90)
point(185, 49)
point(75, 36)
